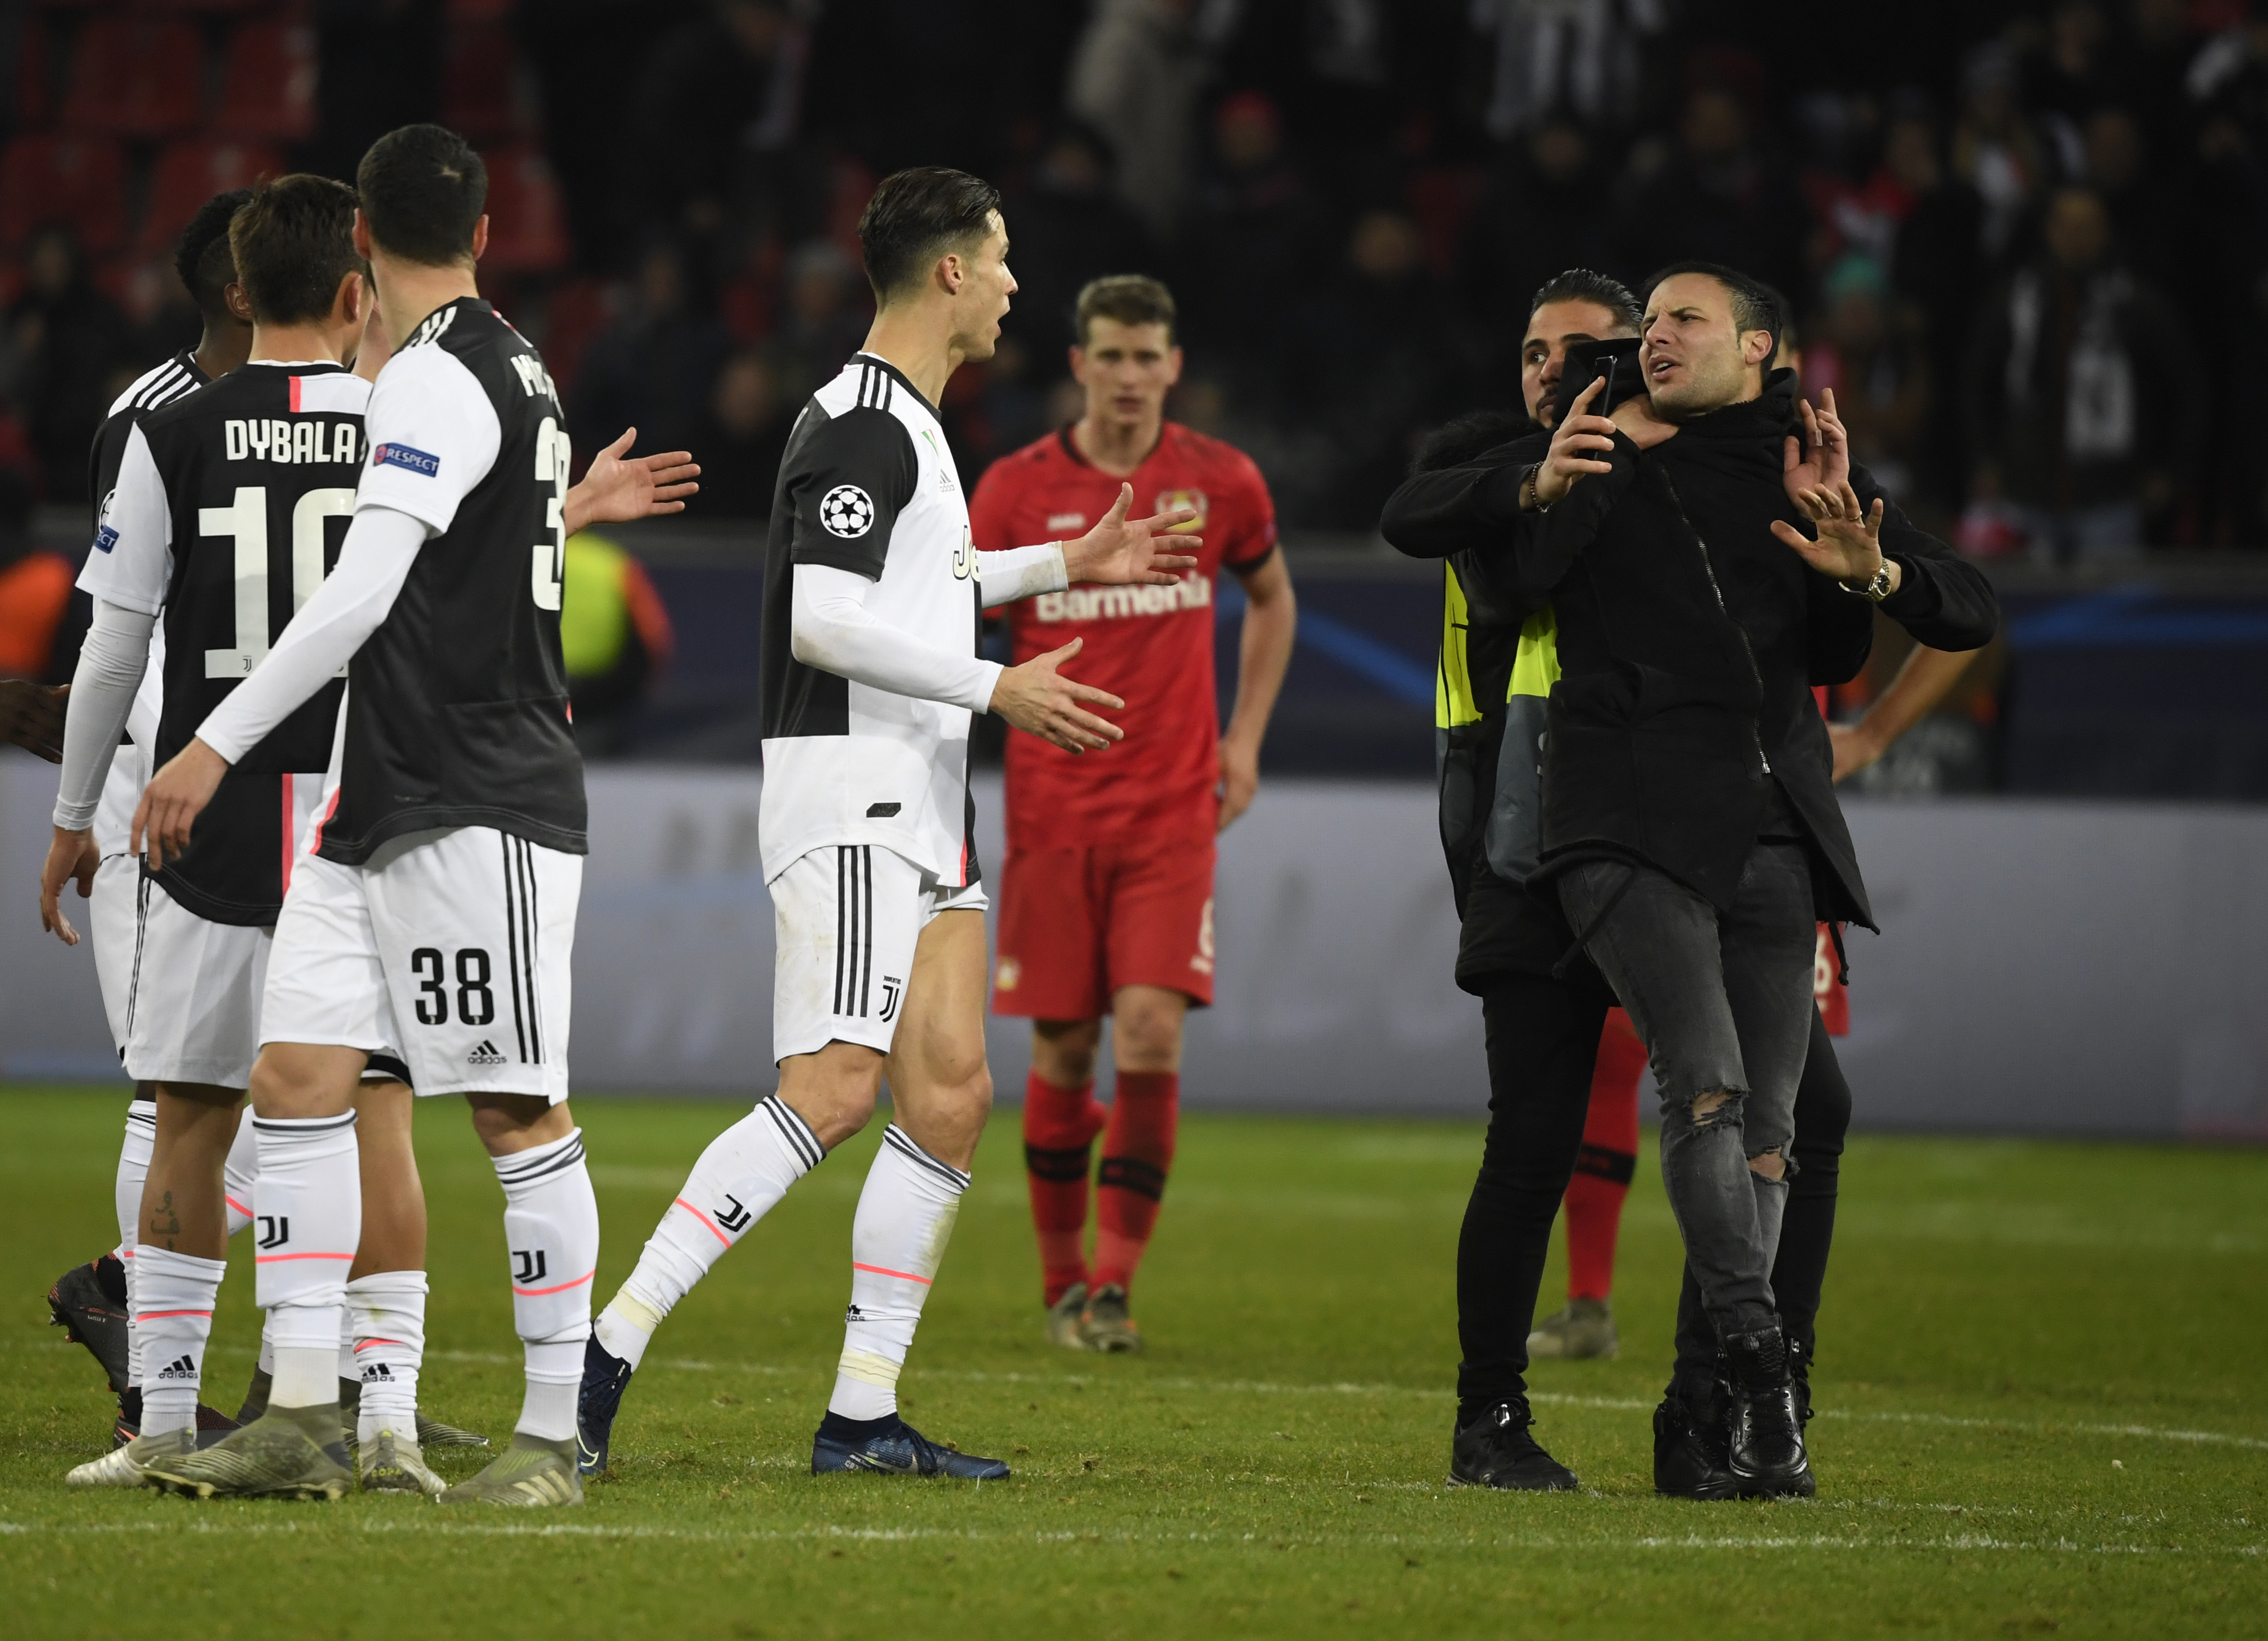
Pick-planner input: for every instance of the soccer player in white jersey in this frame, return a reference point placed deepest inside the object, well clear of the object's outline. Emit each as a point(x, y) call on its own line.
point(873, 599)
point(433, 905)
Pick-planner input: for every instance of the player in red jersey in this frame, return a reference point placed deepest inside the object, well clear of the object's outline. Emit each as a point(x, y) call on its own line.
point(1106, 895)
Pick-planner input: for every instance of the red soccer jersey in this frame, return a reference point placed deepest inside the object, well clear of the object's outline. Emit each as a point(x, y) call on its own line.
point(1150, 646)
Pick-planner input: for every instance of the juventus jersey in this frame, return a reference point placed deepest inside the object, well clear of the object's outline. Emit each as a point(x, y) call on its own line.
point(457, 711)
point(229, 509)
point(868, 485)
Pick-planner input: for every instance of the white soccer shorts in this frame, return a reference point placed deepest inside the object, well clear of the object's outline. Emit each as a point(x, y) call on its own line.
point(848, 917)
point(450, 948)
point(113, 913)
point(193, 994)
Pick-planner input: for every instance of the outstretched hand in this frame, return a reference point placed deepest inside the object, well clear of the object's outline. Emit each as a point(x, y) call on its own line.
point(1849, 544)
point(1120, 551)
point(32, 717)
point(618, 488)
point(1039, 700)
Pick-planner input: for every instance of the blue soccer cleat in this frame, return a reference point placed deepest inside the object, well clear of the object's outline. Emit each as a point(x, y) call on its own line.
point(896, 1449)
point(604, 1377)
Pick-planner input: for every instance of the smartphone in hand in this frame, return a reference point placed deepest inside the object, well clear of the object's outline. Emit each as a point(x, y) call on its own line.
point(1614, 360)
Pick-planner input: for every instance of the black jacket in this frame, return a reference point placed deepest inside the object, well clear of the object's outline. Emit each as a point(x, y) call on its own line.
point(1688, 637)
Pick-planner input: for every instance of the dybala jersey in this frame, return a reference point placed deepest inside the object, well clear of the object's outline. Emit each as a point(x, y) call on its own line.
point(457, 711)
point(868, 485)
point(230, 507)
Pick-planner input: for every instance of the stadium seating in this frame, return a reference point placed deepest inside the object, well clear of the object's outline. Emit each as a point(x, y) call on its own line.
point(190, 172)
point(527, 224)
point(136, 77)
point(478, 84)
point(77, 180)
point(268, 84)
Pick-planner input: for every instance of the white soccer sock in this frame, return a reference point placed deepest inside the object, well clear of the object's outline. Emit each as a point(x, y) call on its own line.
point(905, 1218)
point(266, 1363)
point(739, 1178)
point(133, 1168)
point(551, 1227)
point(309, 1195)
point(239, 1172)
point(350, 1368)
point(388, 1310)
point(177, 1292)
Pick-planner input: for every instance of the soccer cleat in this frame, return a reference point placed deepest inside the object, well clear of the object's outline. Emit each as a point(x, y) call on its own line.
point(125, 1466)
point(387, 1464)
point(278, 1456)
point(88, 1302)
point(1063, 1317)
point(255, 1395)
point(1105, 1326)
point(532, 1473)
point(1764, 1431)
point(1689, 1449)
point(1584, 1331)
point(433, 1434)
point(604, 1377)
point(1495, 1450)
point(900, 1450)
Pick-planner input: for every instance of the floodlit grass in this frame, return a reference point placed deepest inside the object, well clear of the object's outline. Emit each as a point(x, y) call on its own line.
point(2041, 1376)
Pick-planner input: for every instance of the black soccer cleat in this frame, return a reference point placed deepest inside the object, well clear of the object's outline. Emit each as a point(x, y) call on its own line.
point(1495, 1450)
point(1688, 1451)
point(1765, 1447)
point(88, 1302)
point(604, 1377)
point(897, 1449)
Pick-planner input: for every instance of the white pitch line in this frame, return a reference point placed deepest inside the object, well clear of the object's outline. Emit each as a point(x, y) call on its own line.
point(1264, 1387)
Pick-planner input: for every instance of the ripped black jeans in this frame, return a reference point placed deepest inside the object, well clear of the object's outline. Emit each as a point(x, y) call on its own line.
point(1724, 1003)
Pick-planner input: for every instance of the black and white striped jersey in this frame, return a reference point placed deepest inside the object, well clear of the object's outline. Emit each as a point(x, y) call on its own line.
point(229, 508)
point(868, 485)
point(457, 712)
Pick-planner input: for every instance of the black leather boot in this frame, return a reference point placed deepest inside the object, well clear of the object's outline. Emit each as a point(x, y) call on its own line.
point(1689, 1442)
point(1765, 1432)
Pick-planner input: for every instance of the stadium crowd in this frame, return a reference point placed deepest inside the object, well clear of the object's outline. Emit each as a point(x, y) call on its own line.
point(2002, 232)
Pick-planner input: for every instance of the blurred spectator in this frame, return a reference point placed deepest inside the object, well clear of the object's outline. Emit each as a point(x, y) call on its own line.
point(826, 316)
point(1135, 78)
point(720, 92)
point(67, 351)
point(1719, 195)
point(1995, 150)
point(1372, 361)
point(2141, 224)
point(2083, 392)
point(1540, 216)
point(35, 589)
point(1577, 57)
point(740, 449)
point(1258, 236)
point(1866, 355)
point(2072, 78)
point(1066, 226)
point(379, 67)
point(1934, 263)
point(653, 367)
point(614, 637)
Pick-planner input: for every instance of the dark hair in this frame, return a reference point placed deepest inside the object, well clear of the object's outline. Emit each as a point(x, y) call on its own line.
point(914, 217)
point(201, 257)
point(293, 243)
point(1129, 298)
point(1755, 304)
point(422, 189)
point(1467, 438)
point(1580, 284)
point(1784, 335)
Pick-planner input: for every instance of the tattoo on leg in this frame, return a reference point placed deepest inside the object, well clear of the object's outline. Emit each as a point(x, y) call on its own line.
point(164, 1220)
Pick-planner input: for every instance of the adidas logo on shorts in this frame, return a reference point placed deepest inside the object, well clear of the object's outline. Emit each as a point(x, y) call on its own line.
point(181, 1368)
point(484, 1054)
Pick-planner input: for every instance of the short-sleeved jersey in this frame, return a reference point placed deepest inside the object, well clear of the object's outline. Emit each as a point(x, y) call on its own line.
point(868, 485)
point(228, 510)
point(457, 712)
point(1151, 647)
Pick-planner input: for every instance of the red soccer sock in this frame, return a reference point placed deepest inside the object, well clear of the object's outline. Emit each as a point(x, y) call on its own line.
point(1059, 1129)
point(1137, 1154)
point(1608, 1159)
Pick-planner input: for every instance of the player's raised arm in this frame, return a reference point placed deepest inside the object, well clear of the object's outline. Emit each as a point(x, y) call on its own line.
point(1118, 551)
point(620, 487)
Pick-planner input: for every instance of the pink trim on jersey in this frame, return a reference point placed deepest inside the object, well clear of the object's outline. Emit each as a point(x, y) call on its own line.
point(295, 401)
point(533, 1293)
point(884, 1271)
point(705, 1220)
point(287, 779)
point(315, 838)
point(145, 1316)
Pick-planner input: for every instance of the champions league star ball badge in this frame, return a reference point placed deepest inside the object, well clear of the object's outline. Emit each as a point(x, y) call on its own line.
point(846, 511)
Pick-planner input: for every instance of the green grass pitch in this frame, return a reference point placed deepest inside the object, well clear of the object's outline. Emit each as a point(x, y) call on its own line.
point(2042, 1375)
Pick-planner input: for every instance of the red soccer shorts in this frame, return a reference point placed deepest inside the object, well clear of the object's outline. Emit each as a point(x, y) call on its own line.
point(1076, 924)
